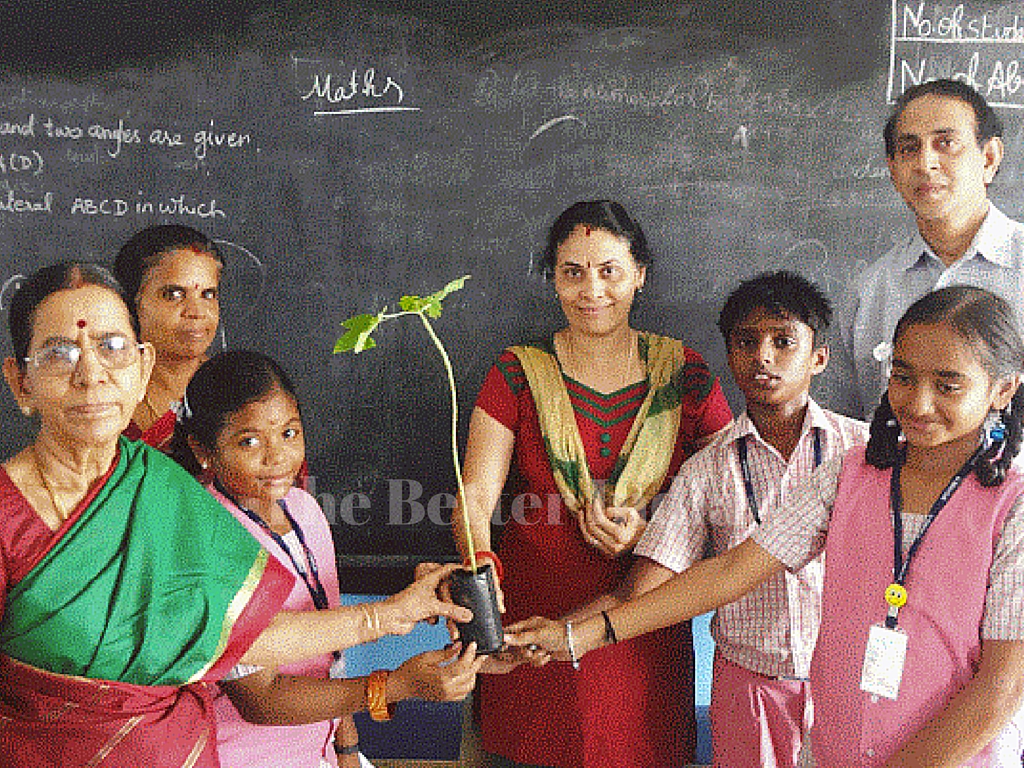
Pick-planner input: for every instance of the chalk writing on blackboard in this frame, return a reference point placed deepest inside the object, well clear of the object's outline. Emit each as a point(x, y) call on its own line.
point(347, 91)
point(13, 202)
point(7, 290)
point(30, 162)
point(40, 145)
point(978, 43)
point(552, 123)
point(116, 207)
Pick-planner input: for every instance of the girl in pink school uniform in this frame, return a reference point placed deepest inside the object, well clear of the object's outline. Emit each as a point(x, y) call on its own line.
point(920, 656)
point(240, 427)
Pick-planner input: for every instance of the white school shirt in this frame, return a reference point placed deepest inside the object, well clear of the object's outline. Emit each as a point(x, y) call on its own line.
point(772, 630)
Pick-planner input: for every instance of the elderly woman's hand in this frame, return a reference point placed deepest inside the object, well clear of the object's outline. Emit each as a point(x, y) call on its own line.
point(444, 593)
point(420, 601)
point(613, 531)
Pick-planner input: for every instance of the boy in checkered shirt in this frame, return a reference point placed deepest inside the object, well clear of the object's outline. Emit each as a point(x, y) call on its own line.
point(774, 327)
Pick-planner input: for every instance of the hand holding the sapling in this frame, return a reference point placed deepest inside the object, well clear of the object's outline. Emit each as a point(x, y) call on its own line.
point(444, 591)
point(420, 601)
point(499, 663)
point(547, 635)
point(508, 658)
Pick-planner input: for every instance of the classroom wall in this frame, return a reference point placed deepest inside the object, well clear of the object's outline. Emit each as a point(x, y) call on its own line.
point(347, 154)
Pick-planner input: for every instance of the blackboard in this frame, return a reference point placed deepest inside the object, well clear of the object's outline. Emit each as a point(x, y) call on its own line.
point(349, 153)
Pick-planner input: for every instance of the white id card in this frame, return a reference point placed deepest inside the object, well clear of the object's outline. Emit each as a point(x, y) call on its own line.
point(884, 657)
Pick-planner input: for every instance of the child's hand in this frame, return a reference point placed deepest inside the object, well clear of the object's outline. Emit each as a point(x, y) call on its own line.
point(539, 636)
point(611, 530)
point(508, 658)
point(444, 675)
point(444, 593)
point(420, 601)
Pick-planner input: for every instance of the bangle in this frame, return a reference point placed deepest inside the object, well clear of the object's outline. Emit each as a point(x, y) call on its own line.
point(570, 642)
point(609, 630)
point(377, 696)
point(372, 620)
point(348, 749)
point(499, 569)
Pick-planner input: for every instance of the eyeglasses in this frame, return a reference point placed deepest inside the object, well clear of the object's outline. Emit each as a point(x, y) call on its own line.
point(113, 351)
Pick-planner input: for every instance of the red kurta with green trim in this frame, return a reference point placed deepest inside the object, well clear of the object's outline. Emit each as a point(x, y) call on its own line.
point(629, 705)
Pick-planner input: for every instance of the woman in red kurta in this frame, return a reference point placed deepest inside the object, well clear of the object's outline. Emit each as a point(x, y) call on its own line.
point(571, 531)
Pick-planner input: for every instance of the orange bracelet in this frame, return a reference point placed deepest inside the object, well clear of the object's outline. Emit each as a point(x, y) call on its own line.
point(377, 696)
point(499, 569)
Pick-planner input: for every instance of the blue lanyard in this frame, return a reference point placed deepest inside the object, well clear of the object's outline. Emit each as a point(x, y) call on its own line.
point(901, 565)
point(748, 481)
point(315, 587)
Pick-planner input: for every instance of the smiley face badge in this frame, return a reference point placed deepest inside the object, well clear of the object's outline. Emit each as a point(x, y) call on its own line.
point(896, 595)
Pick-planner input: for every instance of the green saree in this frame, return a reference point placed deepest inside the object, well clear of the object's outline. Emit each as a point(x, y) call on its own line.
point(151, 586)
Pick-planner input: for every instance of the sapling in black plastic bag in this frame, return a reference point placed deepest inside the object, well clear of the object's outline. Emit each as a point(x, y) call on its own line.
point(472, 587)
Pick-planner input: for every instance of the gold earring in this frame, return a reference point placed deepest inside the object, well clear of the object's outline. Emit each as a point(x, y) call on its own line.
point(28, 410)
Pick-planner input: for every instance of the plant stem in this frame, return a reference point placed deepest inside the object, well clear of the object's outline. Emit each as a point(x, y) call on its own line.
point(470, 546)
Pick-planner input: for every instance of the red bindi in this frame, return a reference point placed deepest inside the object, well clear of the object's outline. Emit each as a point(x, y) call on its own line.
point(586, 231)
point(81, 323)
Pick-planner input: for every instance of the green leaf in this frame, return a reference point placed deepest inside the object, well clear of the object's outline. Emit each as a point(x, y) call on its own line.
point(455, 285)
point(358, 328)
point(357, 336)
point(412, 303)
point(431, 305)
point(421, 305)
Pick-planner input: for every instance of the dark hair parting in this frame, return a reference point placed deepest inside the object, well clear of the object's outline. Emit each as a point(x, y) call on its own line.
point(986, 322)
point(607, 215)
point(62, 276)
point(221, 387)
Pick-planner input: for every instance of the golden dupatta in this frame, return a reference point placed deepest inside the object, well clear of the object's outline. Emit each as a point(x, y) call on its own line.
point(643, 462)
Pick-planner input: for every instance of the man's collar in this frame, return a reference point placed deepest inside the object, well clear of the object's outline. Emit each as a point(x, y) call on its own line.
point(991, 242)
point(993, 239)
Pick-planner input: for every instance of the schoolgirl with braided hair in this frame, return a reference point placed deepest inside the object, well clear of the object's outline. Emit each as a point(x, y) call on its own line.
point(919, 659)
point(987, 324)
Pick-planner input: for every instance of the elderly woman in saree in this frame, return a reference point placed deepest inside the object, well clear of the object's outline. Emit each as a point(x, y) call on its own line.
point(126, 590)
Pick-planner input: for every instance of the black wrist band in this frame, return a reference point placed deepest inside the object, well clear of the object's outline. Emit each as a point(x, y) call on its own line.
point(609, 630)
point(348, 749)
